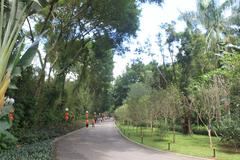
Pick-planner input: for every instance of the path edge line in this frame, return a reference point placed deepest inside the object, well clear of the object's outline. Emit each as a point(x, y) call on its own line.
point(155, 149)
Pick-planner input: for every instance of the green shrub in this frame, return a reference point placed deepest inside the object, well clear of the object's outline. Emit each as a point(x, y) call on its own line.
point(37, 151)
point(178, 128)
point(36, 143)
point(6, 138)
point(200, 130)
point(41, 133)
point(229, 130)
point(162, 129)
point(33, 136)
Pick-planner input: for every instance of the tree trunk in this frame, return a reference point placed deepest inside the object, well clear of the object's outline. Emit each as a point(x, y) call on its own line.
point(60, 83)
point(141, 135)
point(173, 65)
point(174, 132)
point(141, 131)
point(38, 95)
point(197, 121)
point(166, 121)
point(210, 138)
point(189, 126)
point(41, 80)
point(49, 74)
point(186, 126)
point(218, 117)
point(151, 128)
point(40, 85)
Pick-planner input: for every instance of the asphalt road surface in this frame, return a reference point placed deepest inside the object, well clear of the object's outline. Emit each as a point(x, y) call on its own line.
point(104, 142)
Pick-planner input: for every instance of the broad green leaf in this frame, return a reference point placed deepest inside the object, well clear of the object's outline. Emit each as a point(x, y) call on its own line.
point(16, 72)
point(15, 57)
point(42, 3)
point(28, 56)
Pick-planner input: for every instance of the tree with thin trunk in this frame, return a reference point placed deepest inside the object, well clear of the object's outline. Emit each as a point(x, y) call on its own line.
point(137, 100)
point(174, 104)
point(207, 104)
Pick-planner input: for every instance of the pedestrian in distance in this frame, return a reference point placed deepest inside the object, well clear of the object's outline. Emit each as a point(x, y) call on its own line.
point(93, 123)
point(87, 123)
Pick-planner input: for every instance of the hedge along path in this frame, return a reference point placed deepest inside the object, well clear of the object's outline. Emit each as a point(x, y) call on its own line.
point(104, 142)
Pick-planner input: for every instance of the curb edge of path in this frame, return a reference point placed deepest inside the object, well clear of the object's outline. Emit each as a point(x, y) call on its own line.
point(158, 150)
point(63, 136)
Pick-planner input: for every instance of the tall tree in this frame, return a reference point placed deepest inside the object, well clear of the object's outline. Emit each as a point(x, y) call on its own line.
point(76, 24)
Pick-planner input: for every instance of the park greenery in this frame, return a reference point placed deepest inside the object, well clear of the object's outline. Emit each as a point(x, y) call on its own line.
point(73, 38)
point(195, 90)
point(194, 145)
point(196, 85)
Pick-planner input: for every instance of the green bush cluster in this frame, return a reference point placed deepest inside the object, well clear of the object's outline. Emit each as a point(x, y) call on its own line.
point(6, 138)
point(32, 135)
point(178, 128)
point(200, 130)
point(229, 131)
point(162, 129)
point(39, 151)
point(36, 143)
point(37, 134)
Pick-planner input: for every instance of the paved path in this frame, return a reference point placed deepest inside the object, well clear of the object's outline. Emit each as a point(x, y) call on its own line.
point(105, 143)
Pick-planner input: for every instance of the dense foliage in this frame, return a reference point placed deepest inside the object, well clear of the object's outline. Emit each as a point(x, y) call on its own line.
point(197, 87)
point(77, 42)
point(41, 151)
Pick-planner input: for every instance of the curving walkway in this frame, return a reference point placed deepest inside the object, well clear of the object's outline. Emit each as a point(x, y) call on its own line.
point(105, 143)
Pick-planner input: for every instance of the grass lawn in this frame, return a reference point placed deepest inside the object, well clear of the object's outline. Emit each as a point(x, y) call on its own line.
point(195, 145)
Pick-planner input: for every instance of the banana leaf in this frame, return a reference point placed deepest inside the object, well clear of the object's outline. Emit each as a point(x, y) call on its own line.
point(42, 3)
point(28, 56)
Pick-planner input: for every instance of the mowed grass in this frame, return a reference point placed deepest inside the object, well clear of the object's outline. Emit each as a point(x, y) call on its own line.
point(194, 145)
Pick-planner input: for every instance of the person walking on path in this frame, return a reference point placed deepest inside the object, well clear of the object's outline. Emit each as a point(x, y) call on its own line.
point(93, 123)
